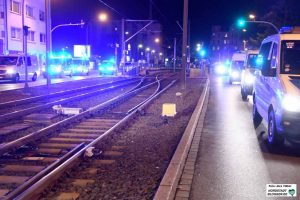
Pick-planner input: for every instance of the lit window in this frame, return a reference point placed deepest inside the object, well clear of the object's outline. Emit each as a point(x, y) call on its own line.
point(15, 33)
point(29, 11)
point(42, 38)
point(30, 36)
point(15, 6)
point(42, 15)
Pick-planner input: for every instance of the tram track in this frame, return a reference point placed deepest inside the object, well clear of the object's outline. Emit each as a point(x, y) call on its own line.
point(75, 134)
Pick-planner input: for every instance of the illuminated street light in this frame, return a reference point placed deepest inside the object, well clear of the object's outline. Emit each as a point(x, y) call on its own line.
point(126, 33)
point(153, 51)
point(160, 54)
point(147, 49)
point(103, 17)
point(252, 16)
point(244, 30)
point(140, 46)
point(157, 40)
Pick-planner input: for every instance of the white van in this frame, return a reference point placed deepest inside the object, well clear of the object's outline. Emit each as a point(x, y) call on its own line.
point(236, 66)
point(276, 96)
point(12, 67)
point(247, 78)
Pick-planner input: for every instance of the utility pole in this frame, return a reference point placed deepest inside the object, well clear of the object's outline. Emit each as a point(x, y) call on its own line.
point(48, 40)
point(184, 43)
point(174, 57)
point(123, 46)
point(150, 10)
point(25, 33)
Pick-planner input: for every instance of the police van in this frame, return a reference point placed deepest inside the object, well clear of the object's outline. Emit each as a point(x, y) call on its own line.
point(12, 67)
point(276, 96)
point(236, 66)
point(247, 77)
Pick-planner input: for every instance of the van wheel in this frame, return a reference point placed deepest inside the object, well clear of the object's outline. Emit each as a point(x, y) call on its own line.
point(244, 95)
point(257, 118)
point(273, 137)
point(34, 77)
point(16, 79)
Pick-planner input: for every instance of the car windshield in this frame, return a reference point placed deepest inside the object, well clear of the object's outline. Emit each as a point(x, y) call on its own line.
point(8, 60)
point(106, 63)
point(252, 60)
point(237, 65)
point(290, 57)
point(78, 62)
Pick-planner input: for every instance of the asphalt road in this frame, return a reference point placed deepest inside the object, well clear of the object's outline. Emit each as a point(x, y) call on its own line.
point(234, 160)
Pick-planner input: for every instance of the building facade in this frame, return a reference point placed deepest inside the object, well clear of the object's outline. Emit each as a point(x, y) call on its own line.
point(224, 43)
point(11, 27)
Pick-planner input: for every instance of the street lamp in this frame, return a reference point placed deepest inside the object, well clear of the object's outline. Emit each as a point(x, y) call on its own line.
point(157, 40)
point(103, 17)
point(140, 46)
point(252, 16)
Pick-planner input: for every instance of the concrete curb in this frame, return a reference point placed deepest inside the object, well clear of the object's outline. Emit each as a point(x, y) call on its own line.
point(168, 186)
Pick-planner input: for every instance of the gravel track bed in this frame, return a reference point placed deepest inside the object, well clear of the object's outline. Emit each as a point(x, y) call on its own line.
point(148, 146)
point(84, 103)
point(12, 95)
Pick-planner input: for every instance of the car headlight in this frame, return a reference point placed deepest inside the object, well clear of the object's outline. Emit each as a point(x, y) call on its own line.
point(235, 74)
point(10, 71)
point(58, 69)
point(220, 69)
point(291, 103)
point(249, 79)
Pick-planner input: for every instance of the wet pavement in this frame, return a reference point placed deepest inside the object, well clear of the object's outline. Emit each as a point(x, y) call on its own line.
point(234, 160)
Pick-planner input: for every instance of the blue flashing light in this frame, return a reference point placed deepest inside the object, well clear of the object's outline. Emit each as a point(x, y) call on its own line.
point(202, 52)
point(286, 29)
point(259, 60)
point(227, 62)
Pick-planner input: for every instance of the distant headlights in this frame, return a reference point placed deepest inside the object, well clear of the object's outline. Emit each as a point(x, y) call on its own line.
point(235, 74)
point(10, 71)
point(249, 79)
point(220, 69)
point(291, 103)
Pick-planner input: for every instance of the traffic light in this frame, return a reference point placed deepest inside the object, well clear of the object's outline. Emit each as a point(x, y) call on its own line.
point(241, 23)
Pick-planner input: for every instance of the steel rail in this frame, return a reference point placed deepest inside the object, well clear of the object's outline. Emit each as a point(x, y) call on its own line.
point(44, 182)
point(15, 114)
point(56, 94)
point(43, 173)
point(4, 147)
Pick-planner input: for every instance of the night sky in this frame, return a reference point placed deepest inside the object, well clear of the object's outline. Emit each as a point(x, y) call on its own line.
point(203, 14)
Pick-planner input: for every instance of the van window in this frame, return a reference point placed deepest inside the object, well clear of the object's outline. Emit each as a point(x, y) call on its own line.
point(274, 56)
point(8, 60)
point(28, 61)
point(290, 57)
point(264, 55)
point(252, 60)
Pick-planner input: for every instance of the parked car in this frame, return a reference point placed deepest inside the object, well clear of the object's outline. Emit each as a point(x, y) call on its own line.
point(247, 78)
point(276, 96)
point(12, 67)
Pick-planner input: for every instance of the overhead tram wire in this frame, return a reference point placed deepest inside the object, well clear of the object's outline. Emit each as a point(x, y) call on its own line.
point(110, 7)
point(163, 15)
